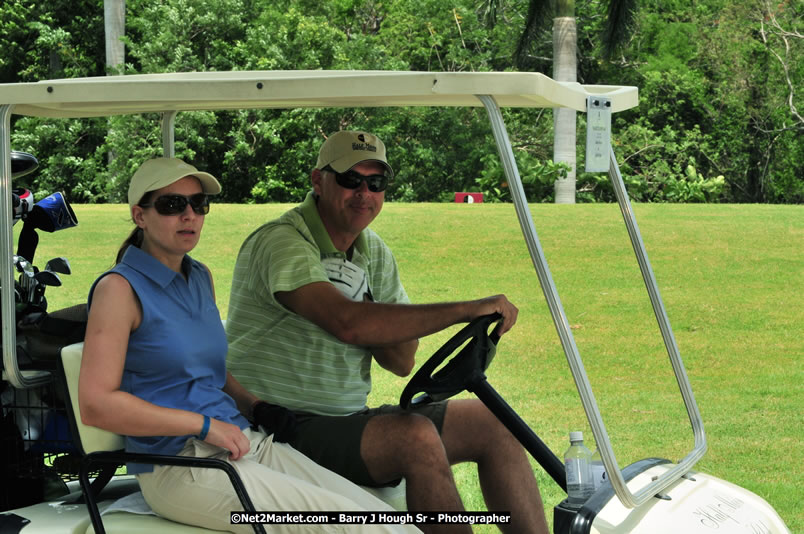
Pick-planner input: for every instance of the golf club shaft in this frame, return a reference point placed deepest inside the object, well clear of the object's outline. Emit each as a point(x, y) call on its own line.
point(521, 431)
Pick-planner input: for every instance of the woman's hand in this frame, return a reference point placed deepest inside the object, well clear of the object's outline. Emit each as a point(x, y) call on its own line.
point(229, 437)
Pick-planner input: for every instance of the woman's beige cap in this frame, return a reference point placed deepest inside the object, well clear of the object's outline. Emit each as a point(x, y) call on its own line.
point(161, 172)
point(345, 149)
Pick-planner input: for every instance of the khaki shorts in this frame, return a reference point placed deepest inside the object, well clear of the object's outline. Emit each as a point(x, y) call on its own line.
point(276, 477)
point(334, 441)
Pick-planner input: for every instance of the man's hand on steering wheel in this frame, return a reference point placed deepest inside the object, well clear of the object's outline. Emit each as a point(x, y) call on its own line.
point(497, 304)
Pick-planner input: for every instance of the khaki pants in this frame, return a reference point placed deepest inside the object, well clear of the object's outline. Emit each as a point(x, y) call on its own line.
point(278, 479)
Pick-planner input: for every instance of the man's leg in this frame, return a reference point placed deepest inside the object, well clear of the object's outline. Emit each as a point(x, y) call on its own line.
point(409, 446)
point(472, 433)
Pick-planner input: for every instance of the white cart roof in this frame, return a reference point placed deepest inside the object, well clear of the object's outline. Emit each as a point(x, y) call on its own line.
point(117, 95)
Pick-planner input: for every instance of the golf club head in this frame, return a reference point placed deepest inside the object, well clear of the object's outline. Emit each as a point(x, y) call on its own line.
point(48, 278)
point(22, 265)
point(27, 276)
point(22, 163)
point(58, 265)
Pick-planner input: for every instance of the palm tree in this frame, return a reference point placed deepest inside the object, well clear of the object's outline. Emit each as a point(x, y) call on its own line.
point(619, 19)
point(114, 22)
point(114, 19)
point(565, 69)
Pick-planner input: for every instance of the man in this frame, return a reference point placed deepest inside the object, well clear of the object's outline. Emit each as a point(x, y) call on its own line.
point(315, 296)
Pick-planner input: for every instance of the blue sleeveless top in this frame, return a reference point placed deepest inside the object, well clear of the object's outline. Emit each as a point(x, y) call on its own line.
point(176, 358)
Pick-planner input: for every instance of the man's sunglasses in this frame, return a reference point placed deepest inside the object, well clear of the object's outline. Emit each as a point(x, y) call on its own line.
point(176, 204)
point(352, 179)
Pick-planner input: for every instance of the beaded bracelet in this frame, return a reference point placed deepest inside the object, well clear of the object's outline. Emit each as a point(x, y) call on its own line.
point(204, 429)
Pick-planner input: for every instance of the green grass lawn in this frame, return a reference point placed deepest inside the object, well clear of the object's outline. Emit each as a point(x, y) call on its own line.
point(732, 280)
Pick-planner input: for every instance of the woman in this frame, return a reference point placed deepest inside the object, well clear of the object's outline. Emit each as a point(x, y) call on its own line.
point(154, 370)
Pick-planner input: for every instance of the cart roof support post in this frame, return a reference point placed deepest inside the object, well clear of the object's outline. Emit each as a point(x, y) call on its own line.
point(169, 133)
point(11, 370)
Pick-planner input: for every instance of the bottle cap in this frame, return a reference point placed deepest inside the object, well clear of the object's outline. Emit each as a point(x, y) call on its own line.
point(576, 436)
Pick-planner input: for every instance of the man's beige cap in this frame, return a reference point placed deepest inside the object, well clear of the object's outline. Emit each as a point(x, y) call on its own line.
point(345, 149)
point(161, 172)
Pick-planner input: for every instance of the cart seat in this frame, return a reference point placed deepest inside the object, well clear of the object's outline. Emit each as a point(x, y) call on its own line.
point(89, 440)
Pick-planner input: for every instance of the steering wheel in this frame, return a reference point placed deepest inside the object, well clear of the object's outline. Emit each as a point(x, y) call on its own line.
point(461, 372)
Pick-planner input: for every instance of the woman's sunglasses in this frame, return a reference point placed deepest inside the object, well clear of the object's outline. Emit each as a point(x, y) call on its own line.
point(176, 204)
point(352, 180)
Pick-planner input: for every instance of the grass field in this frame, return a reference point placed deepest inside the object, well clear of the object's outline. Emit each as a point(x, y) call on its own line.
point(732, 280)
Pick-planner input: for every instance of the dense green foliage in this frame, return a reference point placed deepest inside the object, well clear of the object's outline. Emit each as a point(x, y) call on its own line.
point(717, 119)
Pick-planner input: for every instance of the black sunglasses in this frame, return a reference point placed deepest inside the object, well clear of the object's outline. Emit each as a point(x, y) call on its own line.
point(176, 204)
point(352, 179)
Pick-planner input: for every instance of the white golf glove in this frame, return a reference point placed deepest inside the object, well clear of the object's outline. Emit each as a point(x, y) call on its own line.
point(350, 279)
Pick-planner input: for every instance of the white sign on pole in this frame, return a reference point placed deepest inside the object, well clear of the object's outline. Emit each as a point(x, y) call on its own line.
point(598, 133)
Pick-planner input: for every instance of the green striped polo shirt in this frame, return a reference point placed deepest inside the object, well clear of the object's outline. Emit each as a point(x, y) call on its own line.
point(282, 357)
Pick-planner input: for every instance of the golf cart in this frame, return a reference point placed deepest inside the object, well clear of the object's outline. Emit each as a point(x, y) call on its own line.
point(651, 495)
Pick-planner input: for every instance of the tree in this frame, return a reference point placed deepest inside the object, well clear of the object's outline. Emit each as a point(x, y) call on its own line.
point(114, 23)
point(565, 69)
point(620, 16)
point(114, 17)
point(718, 91)
point(719, 84)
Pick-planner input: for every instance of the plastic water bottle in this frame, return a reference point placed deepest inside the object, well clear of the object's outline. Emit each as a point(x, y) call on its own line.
point(579, 473)
point(598, 470)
